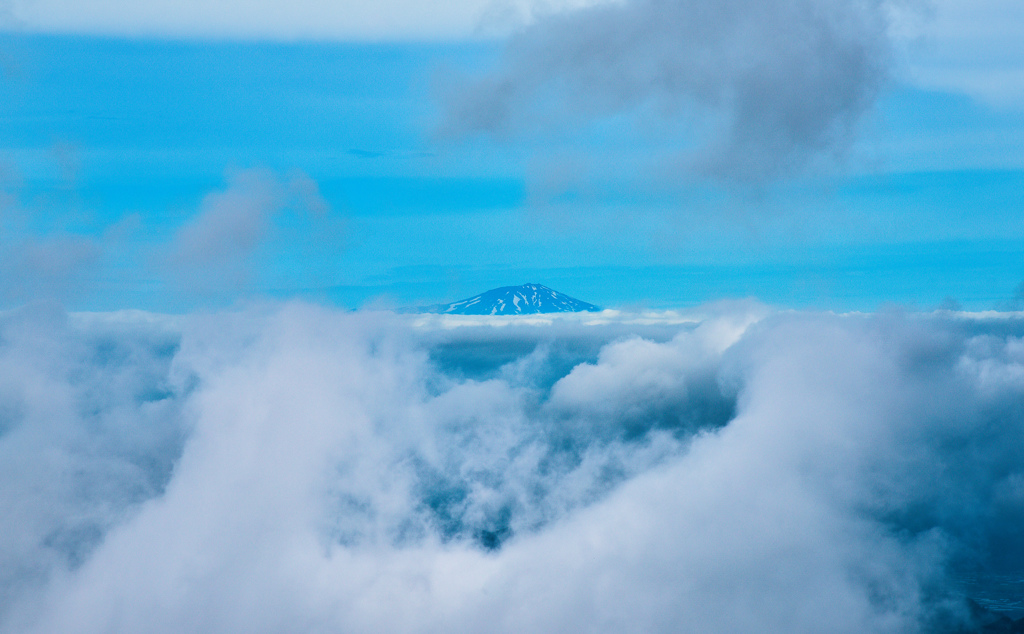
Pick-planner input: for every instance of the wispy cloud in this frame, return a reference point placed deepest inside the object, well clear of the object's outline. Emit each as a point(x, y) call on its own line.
point(63, 252)
point(230, 224)
point(218, 250)
point(766, 87)
point(48, 264)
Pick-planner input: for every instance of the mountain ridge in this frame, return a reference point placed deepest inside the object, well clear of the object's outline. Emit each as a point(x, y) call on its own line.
point(525, 299)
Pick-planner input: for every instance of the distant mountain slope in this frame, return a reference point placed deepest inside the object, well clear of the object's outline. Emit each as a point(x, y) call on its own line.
point(528, 299)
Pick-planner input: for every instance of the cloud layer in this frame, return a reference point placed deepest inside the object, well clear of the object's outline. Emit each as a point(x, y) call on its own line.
point(291, 468)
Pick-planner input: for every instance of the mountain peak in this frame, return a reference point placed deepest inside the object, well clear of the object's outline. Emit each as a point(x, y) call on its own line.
point(526, 299)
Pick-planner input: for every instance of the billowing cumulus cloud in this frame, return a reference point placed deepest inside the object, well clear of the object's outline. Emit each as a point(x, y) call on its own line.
point(86, 431)
point(296, 469)
point(765, 87)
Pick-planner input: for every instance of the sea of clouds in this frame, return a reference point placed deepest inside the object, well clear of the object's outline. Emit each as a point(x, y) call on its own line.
point(295, 468)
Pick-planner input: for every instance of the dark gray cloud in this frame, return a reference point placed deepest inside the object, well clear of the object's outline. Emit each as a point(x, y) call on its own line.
point(765, 88)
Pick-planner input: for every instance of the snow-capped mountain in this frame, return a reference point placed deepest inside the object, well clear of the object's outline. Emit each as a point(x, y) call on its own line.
point(515, 300)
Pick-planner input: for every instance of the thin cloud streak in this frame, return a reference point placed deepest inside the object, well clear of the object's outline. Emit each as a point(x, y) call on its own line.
point(278, 20)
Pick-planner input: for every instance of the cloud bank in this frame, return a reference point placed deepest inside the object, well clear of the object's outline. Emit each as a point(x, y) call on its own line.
point(764, 87)
point(296, 469)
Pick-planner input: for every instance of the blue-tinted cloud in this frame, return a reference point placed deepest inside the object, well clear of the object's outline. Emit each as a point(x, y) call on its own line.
point(549, 477)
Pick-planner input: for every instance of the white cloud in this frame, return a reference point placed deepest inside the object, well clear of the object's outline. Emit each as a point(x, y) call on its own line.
point(328, 467)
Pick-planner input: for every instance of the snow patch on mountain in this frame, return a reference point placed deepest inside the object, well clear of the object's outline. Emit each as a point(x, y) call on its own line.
point(527, 299)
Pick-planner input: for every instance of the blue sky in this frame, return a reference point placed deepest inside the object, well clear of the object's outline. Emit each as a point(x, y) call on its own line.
point(225, 460)
point(122, 141)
